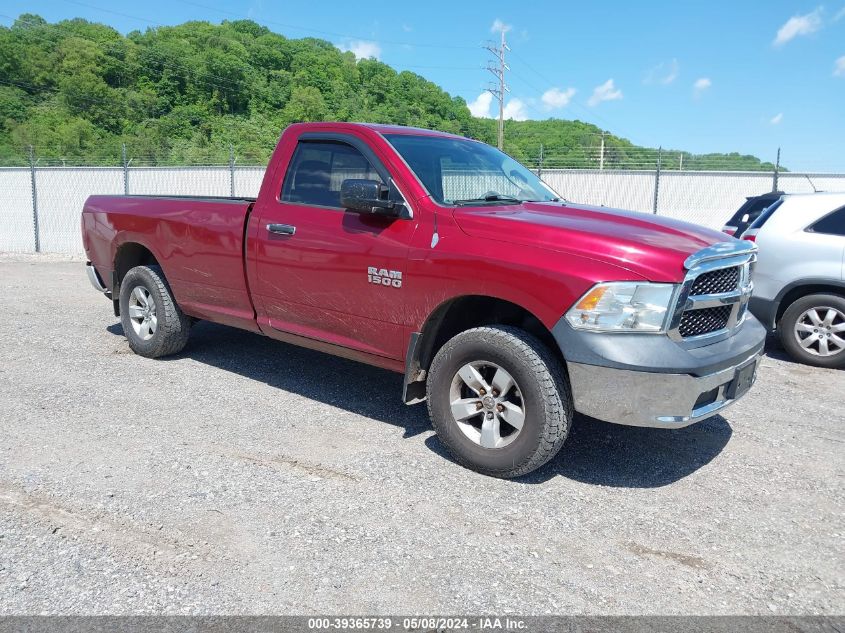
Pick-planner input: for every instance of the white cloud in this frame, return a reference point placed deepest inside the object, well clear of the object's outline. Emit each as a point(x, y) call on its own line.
point(362, 49)
point(481, 106)
point(799, 25)
point(515, 109)
point(407, 28)
point(605, 92)
point(500, 27)
point(839, 67)
point(663, 73)
point(839, 15)
point(701, 84)
point(555, 98)
point(776, 119)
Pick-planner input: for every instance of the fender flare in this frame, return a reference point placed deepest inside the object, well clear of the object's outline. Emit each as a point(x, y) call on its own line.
point(421, 345)
point(774, 308)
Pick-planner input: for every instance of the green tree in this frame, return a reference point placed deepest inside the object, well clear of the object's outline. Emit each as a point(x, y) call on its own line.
point(77, 90)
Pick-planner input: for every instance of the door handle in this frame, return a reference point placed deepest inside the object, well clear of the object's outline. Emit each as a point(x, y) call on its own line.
point(281, 229)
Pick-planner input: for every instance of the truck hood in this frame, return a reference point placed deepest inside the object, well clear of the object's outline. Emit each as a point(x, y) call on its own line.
point(651, 246)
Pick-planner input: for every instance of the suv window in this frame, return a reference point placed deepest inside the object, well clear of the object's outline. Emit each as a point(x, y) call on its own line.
point(831, 224)
point(750, 211)
point(318, 167)
point(765, 215)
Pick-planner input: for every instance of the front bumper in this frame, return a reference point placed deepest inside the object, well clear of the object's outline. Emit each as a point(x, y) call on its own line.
point(640, 398)
point(650, 380)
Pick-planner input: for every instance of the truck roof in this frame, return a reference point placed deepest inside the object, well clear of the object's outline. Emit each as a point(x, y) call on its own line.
point(382, 128)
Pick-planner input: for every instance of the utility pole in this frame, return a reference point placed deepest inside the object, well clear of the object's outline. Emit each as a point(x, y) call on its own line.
point(777, 169)
point(601, 156)
point(498, 68)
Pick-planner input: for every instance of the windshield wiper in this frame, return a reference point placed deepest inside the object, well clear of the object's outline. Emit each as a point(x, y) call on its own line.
point(493, 197)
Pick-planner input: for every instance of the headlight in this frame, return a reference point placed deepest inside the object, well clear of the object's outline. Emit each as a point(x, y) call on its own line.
point(623, 307)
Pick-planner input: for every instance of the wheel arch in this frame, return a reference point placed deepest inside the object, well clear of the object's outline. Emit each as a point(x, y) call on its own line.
point(459, 314)
point(797, 289)
point(127, 256)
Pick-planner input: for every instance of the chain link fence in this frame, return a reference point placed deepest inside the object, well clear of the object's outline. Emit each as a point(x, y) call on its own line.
point(40, 205)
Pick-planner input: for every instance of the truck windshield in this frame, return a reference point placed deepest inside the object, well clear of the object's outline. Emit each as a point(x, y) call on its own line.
point(462, 172)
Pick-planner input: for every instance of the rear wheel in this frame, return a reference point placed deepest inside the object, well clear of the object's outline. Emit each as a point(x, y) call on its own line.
point(152, 321)
point(499, 401)
point(812, 330)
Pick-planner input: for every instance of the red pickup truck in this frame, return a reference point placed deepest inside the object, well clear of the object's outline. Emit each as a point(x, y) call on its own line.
point(506, 307)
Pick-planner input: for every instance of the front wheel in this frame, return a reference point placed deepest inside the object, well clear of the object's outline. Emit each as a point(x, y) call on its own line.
point(152, 321)
point(499, 400)
point(812, 330)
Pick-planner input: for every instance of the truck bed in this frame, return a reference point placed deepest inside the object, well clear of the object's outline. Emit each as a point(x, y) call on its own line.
point(199, 239)
point(197, 198)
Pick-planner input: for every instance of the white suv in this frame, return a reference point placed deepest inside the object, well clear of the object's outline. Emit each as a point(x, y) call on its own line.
point(799, 281)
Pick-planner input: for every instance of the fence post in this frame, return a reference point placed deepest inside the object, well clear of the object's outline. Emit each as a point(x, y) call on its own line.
point(34, 199)
point(601, 155)
point(540, 163)
point(125, 171)
point(231, 171)
point(775, 175)
point(657, 177)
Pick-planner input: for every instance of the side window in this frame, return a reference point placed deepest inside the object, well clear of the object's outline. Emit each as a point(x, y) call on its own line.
point(831, 224)
point(757, 209)
point(317, 169)
point(766, 214)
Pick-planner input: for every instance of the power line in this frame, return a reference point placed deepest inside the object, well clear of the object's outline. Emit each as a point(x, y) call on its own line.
point(330, 33)
point(206, 78)
point(282, 24)
point(587, 111)
point(53, 91)
point(143, 50)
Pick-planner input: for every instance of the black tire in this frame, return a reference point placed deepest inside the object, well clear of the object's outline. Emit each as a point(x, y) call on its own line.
point(788, 337)
point(545, 397)
point(173, 326)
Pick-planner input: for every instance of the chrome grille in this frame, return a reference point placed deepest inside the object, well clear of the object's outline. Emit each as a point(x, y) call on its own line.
point(704, 321)
point(713, 297)
point(716, 281)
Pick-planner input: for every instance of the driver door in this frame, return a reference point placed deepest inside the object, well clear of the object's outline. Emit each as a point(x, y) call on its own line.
point(326, 273)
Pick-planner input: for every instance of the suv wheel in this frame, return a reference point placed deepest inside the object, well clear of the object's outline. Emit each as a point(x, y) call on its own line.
point(152, 321)
point(813, 330)
point(499, 401)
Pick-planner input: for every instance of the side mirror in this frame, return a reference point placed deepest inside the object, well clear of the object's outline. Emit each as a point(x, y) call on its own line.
point(368, 196)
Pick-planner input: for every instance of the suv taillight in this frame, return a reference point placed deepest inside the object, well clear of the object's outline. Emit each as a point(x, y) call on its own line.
point(750, 235)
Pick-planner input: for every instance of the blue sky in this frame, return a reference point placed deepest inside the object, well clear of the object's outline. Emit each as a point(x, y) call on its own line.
point(703, 76)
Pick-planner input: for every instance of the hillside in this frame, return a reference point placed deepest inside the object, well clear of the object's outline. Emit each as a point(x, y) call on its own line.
point(78, 90)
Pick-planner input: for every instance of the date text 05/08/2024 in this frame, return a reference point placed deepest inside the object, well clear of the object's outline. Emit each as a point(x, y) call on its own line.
point(417, 623)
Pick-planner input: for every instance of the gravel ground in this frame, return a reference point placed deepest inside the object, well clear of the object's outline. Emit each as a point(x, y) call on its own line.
point(248, 476)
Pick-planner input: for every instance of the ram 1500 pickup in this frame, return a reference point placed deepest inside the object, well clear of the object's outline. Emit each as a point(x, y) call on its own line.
point(504, 306)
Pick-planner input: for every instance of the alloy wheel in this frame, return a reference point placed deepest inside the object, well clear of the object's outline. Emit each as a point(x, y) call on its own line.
point(487, 404)
point(821, 331)
point(142, 313)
